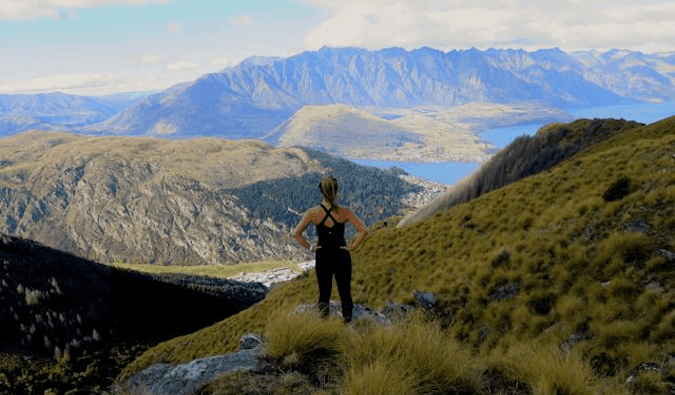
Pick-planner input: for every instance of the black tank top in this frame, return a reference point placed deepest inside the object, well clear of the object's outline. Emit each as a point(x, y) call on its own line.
point(331, 237)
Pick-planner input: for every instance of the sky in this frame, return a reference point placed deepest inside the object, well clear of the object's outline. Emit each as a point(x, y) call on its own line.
point(98, 47)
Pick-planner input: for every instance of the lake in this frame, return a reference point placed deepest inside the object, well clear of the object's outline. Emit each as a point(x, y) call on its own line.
point(451, 172)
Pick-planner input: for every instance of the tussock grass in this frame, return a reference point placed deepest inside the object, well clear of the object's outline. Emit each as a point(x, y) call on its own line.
point(379, 378)
point(541, 365)
point(579, 267)
point(295, 338)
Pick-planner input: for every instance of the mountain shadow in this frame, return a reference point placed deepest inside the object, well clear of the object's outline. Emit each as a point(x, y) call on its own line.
point(58, 306)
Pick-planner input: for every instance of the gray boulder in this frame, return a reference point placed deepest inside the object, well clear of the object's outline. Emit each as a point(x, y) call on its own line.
point(188, 378)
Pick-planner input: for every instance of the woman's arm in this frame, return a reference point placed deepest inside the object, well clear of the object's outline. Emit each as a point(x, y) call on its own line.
point(359, 227)
point(304, 222)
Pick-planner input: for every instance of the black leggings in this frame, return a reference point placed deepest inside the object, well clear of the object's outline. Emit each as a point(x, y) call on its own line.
point(338, 262)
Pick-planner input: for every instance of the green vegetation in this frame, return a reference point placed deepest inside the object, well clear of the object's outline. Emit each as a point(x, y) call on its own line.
point(210, 270)
point(560, 283)
point(371, 192)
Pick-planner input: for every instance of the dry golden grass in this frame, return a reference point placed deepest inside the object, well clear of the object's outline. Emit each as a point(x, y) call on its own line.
point(213, 161)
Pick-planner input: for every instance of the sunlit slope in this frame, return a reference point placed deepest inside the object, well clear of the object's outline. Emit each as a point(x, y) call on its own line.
point(525, 156)
point(584, 248)
point(206, 201)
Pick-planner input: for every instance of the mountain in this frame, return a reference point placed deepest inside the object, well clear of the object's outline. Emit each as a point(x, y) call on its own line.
point(186, 202)
point(253, 98)
point(59, 111)
point(559, 283)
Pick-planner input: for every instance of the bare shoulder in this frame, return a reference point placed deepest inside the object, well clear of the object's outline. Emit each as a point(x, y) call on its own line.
point(346, 213)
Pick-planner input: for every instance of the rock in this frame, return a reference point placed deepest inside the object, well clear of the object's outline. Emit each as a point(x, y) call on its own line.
point(273, 276)
point(335, 309)
point(250, 341)
point(646, 367)
point(426, 299)
point(397, 311)
point(668, 254)
point(507, 291)
point(187, 379)
point(637, 226)
point(574, 338)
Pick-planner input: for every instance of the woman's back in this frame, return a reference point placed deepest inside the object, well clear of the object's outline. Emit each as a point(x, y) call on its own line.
point(331, 228)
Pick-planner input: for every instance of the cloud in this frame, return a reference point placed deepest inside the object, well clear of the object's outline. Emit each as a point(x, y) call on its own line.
point(174, 27)
point(449, 24)
point(220, 62)
point(61, 82)
point(182, 65)
point(151, 59)
point(31, 9)
point(243, 19)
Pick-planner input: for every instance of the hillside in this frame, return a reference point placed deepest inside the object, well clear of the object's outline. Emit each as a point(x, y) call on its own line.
point(525, 156)
point(420, 135)
point(189, 202)
point(342, 130)
point(68, 322)
point(560, 283)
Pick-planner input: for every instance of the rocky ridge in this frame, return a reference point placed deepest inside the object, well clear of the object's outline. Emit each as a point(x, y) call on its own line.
point(148, 200)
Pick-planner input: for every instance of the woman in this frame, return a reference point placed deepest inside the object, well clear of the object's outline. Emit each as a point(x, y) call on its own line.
point(332, 254)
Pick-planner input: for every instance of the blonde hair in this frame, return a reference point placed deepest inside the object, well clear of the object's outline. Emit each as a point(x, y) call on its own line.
point(329, 190)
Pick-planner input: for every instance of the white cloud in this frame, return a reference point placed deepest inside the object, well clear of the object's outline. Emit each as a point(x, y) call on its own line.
point(151, 59)
point(31, 9)
point(174, 27)
point(449, 24)
point(60, 82)
point(220, 62)
point(182, 65)
point(243, 19)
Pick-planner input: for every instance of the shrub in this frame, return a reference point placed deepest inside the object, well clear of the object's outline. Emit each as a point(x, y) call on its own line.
point(617, 190)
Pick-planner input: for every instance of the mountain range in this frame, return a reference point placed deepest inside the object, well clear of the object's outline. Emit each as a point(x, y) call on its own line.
point(253, 98)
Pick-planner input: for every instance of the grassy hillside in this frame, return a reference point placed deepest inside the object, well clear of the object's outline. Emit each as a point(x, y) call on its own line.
point(525, 156)
point(560, 283)
point(70, 323)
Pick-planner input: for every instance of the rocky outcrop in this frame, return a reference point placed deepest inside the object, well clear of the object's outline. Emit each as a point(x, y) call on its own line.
point(335, 309)
point(187, 379)
point(193, 202)
point(273, 276)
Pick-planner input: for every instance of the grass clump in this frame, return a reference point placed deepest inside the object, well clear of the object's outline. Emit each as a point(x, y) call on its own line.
point(297, 339)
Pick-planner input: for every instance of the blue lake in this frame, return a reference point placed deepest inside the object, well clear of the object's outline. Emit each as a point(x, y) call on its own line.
point(445, 172)
point(451, 172)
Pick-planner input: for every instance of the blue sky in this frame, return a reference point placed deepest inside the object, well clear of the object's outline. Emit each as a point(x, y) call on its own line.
point(94, 47)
